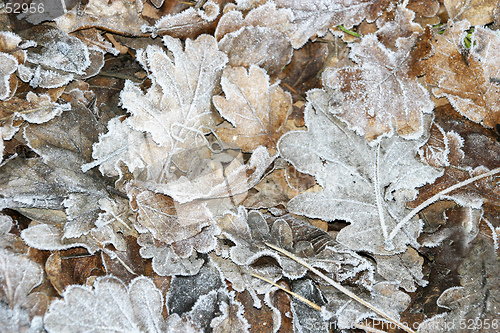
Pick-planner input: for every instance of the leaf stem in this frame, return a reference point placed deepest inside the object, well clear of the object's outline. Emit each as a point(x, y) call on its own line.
point(435, 198)
point(341, 288)
point(378, 195)
point(302, 299)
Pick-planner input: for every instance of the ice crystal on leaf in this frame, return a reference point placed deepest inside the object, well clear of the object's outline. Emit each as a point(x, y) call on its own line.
point(366, 186)
point(467, 77)
point(256, 109)
point(110, 306)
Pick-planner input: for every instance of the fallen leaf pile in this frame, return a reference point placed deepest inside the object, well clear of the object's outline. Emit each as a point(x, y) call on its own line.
point(175, 166)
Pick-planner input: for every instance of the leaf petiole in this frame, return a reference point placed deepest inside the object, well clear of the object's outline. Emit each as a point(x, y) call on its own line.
point(435, 198)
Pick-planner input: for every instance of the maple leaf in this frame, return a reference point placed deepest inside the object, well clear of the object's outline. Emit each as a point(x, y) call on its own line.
point(366, 186)
point(52, 189)
point(176, 109)
point(379, 91)
point(477, 297)
point(257, 110)
point(108, 306)
point(467, 77)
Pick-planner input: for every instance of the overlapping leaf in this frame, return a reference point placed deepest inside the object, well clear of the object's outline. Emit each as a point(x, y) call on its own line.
point(256, 109)
point(379, 95)
point(366, 186)
point(109, 306)
point(476, 298)
point(467, 77)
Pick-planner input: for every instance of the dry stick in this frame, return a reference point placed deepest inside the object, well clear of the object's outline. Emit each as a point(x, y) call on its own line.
point(341, 288)
point(303, 299)
point(435, 198)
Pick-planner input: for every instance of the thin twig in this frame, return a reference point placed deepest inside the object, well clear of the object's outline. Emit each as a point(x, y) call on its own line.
point(342, 289)
point(435, 198)
point(297, 296)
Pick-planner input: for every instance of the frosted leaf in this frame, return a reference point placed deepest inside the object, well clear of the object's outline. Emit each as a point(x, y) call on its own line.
point(203, 242)
point(17, 319)
point(435, 151)
point(176, 110)
point(18, 276)
point(7, 68)
point(51, 238)
point(42, 109)
point(247, 46)
point(181, 109)
point(120, 143)
point(366, 186)
point(266, 16)
point(476, 12)
point(379, 91)
point(305, 318)
point(186, 24)
point(398, 31)
point(165, 261)
point(301, 20)
point(115, 222)
point(65, 143)
point(122, 17)
point(385, 296)
point(404, 268)
point(167, 221)
point(59, 50)
point(314, 18)
point(52, 188)
point(8, 240)
point(185, 291)
point(250, 231)
point(477, 297)
point(469, 81)
point(7, 132)
point(109, 306)
point(256, 109)
point(231, 320)
point(37, 77)
point(217, 180)
point(481, 192)
point(241, 278)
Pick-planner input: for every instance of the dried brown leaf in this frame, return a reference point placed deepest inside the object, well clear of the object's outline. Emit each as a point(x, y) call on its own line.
point(265, 47)
point(467, 77)
point(379, 94)
point(123, 17)
point(256, 109)
point(477, 12)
